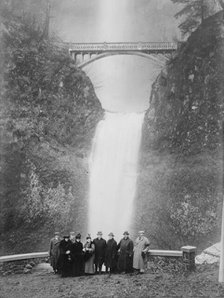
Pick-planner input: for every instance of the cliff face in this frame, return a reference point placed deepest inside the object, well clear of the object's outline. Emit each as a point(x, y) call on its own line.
point(180, 182)
point(49, 115)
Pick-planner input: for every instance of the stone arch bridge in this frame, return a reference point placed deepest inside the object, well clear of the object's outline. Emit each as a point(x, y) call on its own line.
point(86, 53)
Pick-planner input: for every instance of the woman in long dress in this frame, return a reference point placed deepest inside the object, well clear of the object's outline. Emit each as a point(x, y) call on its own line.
point(89, 249)
point(77, 256)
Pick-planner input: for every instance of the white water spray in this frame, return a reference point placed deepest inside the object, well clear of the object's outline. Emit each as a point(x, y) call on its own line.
point(113, 172)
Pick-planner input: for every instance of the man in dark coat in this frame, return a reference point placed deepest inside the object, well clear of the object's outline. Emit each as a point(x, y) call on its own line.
point(77, 257)
point(54, 251)
point(111, 254)
point(65, 260)
point(125, 252)
point(100, 249)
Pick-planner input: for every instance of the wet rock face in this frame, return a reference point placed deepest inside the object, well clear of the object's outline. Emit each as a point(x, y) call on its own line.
point(186, 104)
point(179, 192)
point(49, 115)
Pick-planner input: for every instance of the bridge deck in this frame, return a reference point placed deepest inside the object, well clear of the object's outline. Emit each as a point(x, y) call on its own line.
point(122, 46)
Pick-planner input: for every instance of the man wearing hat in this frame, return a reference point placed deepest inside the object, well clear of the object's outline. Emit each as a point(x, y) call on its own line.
point(125, 254)
point(54, 251)
point(100, 250)
point(111, 254)
point(77, 256)
point(141, 246)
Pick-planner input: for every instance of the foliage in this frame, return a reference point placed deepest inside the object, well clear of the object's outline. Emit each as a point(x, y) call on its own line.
point(59, 204)
point(180, 184)
point(41, 203)
point(188, 220)
point(194, 11)
point(32, 208)
point(188, 97)
point(50, 114)
point(171, 265)
point(48, 95)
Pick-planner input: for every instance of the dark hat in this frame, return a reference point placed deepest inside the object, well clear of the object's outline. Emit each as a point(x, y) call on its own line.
point(100, 233)
point(111, 234)
point(66, 236)
point(88, 236)
point(78, 236)
point(126, 233)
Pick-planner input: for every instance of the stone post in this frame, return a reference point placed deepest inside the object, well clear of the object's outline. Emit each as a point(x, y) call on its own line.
point(189, 253)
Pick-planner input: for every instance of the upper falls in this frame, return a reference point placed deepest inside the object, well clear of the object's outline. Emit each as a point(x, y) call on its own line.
point(113, 167)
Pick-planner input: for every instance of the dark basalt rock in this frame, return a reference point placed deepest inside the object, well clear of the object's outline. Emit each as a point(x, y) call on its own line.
point(179, 187)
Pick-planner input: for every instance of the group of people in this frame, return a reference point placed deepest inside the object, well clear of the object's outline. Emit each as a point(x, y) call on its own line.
point(69, 257)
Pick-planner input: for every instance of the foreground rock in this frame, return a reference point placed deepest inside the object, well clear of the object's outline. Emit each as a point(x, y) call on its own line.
point(210, 255)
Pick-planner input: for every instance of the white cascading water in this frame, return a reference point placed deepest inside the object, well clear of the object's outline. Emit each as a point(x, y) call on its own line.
point(113, 172)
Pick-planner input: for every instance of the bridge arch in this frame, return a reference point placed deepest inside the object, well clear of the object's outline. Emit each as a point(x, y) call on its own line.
point(108, 54)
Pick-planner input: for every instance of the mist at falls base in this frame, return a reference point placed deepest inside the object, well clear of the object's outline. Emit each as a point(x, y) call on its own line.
point(113, 167)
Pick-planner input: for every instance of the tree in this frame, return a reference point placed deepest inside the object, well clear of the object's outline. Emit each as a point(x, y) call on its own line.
point(195, 11)
point(221, 2)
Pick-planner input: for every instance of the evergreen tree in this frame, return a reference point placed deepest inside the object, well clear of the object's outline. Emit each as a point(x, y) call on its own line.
point(221, 2)
point(195, 11)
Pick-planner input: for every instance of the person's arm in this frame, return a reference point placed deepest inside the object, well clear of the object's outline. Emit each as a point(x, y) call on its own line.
point(114, 250)
point(51, 246)
point(130, 250)
point(147, 244)
point(92, 247)
point(119, 246)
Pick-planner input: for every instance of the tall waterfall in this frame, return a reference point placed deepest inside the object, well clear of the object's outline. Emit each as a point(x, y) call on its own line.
point(113, 172)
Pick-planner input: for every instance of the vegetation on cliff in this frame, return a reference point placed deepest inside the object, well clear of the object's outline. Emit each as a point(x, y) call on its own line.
point(182, 143)
point(49, 114)
point(194, 12)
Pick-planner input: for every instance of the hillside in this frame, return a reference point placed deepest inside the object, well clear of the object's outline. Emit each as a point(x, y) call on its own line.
point(180, 181)
point(49, 114)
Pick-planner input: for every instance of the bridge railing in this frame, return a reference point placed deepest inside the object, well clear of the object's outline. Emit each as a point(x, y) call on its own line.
point(126, 46)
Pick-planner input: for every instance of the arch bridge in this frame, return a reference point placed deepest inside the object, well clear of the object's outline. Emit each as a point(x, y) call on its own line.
point(86, 53)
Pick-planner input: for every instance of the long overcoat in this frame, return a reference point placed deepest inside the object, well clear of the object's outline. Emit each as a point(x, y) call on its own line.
point(141, 245)
point(111, 254)
point(125, 252)
point(100, 250)
point(65, 260)
point(77, 258)
point(54, 252)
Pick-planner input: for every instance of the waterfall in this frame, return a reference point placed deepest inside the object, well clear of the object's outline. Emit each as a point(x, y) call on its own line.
point(113, 167)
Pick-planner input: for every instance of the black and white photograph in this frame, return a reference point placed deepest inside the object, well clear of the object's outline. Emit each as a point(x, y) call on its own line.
point(111, 148)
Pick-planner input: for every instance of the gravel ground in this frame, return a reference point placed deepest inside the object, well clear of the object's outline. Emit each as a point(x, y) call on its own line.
point(42, 283)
